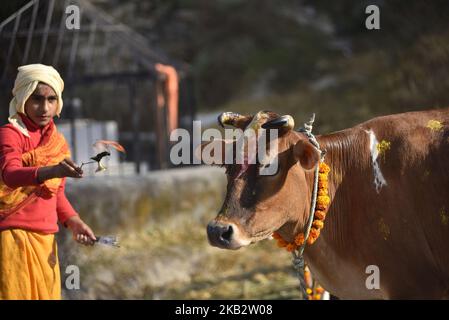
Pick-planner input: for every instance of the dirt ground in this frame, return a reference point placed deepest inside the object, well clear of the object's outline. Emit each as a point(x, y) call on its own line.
point(174, 261)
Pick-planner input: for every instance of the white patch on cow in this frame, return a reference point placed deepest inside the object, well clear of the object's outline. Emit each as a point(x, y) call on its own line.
point(379, 180)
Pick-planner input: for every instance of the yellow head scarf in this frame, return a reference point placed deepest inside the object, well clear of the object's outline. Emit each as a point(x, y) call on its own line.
point(26, 82)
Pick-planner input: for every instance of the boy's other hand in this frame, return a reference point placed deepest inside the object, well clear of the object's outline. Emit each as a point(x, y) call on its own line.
point(82, 233)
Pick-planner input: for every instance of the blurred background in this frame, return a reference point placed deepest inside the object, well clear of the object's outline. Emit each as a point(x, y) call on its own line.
point(134, 70)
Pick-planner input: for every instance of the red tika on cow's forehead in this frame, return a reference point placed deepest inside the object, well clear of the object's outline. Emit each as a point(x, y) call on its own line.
point(248, 123)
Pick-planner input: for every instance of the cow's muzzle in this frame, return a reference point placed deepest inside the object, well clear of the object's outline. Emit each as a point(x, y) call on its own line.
point(224, 235)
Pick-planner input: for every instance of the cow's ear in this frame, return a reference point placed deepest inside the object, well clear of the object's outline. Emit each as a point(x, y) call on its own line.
point(307, 155)
point(213, 152)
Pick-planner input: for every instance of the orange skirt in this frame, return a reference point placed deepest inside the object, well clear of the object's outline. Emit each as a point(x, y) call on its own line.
point(29, 266)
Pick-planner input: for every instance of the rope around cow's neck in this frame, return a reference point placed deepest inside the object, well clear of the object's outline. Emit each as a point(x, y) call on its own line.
point(298, 254)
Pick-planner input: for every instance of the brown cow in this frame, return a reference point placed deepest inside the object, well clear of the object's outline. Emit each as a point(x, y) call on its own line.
point(389, 189)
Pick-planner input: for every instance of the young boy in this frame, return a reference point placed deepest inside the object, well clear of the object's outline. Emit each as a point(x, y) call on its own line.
point(34, 162)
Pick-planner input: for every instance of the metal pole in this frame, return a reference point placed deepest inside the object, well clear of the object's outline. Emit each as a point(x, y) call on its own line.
point(11, 46)
point(30, 32)
point(17, 13)
point(55, 31)
point(90, 45)
point(73, 131)
point(165, 134)
point(159, 127)
point(61, 33)
point(73, 53)
point(51, 5)
point(135, 117)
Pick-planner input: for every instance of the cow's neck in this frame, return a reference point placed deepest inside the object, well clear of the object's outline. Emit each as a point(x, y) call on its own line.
point(347, 157)
point(332, 256)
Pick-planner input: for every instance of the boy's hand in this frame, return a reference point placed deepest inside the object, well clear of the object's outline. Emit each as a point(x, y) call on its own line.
point(67, 168)
point(81, 231)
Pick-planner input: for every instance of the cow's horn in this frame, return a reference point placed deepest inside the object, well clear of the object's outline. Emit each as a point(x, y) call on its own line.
point(228, 118)
point(281, 122)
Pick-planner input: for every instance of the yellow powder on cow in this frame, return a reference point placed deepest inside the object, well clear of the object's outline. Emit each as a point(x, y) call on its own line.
point(434, 125)
point(382, 147)
point(384, 229)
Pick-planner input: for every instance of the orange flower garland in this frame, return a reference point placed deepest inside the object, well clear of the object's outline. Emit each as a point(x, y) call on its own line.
point(322, 204)
point(314, 290)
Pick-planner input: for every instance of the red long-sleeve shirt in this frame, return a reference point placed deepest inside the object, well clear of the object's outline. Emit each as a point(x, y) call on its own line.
point(42, 214)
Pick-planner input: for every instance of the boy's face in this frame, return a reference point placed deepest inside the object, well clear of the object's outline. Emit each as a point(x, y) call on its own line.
point(42, 105)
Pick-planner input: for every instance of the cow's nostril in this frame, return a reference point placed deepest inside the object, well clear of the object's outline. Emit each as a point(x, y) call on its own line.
point(220, 234)
point(227, 235)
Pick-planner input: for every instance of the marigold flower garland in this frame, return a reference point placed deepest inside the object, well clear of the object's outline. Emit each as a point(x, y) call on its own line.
point(322, 204)
point(314, 290)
